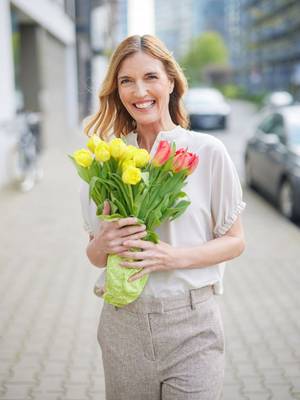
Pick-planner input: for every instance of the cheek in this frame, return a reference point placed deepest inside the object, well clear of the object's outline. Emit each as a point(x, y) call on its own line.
point(163, 95)
point(124, 98)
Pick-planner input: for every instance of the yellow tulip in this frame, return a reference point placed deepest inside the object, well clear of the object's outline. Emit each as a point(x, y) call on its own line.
point(127, 163)
point(131, 175)
point(129, 152)
point(92, 143)
point(83, 157)
point(117, 148)
point(102, 152)
point(141, 157)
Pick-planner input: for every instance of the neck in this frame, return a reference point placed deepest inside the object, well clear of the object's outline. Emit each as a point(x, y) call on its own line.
point(146, 134)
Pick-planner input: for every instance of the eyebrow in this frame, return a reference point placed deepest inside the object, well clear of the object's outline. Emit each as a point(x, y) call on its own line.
point(148, 73)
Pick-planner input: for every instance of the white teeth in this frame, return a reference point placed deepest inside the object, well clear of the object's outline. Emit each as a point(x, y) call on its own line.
point(147, 104)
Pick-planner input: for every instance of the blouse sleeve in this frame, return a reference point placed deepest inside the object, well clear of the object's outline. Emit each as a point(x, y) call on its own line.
point(227, 197)
point(88, 210)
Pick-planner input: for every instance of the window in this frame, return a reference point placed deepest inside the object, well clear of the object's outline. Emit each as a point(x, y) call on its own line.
point(274, 124)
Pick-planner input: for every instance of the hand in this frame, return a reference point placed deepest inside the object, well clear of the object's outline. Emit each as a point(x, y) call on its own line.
point(153, 257)
point(112, 234)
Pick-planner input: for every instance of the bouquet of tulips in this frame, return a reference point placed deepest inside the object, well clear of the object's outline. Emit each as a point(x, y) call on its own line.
point(135, 186)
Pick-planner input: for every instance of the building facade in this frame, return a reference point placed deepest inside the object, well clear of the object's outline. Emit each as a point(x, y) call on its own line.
point(178, 22)
point(272, 43)
point(38, 71)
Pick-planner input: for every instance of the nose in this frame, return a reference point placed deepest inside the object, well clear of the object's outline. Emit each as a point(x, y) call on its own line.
point(140, 89)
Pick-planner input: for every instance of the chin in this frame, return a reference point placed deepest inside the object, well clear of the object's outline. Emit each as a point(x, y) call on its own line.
point(149, 120)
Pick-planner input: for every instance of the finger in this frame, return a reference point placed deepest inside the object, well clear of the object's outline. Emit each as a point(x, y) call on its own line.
point(126, 221)
point(118, 250)
point(106, 208)
point(138, 255)
point(136, 236)
point(143, 244)
point(129, 230)
point(119, 241)
point(140, 274)
point(138, 264)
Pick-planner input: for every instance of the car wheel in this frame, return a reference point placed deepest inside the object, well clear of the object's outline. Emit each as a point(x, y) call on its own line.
point(286, 200)
point(248, 174)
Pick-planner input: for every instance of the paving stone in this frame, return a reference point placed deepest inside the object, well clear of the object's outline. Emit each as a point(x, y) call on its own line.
point(18, 391)
point(47, 395)
point(233, 393)
point(247, 369)
point(259, 396)
point(76, 393)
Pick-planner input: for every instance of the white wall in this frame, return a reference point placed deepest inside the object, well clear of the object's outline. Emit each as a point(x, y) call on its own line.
point(7, 89)
point(50, 16)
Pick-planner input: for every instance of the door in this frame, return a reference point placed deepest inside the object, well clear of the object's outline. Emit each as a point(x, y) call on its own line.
point(272, 153)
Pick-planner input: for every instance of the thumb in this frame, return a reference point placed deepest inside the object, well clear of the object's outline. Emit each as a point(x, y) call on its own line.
point(106, 208)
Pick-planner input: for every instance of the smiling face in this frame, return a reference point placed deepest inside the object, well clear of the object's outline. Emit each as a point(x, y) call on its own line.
point(144, 89)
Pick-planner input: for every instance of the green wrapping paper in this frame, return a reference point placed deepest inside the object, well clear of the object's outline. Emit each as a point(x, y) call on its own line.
point(118, 291)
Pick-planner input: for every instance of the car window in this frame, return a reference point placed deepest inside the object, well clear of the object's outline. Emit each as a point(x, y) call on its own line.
point(278, 126)
point(266, 124)
point(274, 124)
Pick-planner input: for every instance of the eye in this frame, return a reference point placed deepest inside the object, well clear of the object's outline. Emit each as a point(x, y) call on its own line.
point(124, 81)
point(152, 77)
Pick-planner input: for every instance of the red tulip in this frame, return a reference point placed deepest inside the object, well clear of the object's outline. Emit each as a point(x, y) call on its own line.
point(193, 162)
point(185, 160)
point(162, 154)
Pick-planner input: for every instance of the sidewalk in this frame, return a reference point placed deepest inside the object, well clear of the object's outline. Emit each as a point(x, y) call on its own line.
point(49, 314)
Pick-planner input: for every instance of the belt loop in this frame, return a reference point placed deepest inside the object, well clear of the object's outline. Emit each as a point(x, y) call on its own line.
point(193, 306)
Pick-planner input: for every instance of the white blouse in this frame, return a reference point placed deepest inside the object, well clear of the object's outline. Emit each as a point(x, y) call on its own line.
point(215, 193)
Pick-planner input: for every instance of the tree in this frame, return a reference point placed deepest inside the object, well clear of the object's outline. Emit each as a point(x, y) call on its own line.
point(207, 51)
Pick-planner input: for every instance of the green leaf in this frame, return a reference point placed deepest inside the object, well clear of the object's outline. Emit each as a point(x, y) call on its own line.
point(180, 208)
point(181, 194)
point(112, 217)
point(120, 205)
point(94, 169)
point(145, 178)
point(151, 237)
point(95, 190)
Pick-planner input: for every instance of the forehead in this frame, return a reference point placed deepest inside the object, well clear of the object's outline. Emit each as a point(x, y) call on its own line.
point(140, 63)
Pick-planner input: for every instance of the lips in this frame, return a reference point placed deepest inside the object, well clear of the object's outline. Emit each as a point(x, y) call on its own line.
point(142, 105)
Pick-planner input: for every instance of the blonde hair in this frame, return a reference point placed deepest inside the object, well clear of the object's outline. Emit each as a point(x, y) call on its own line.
point(112, 115)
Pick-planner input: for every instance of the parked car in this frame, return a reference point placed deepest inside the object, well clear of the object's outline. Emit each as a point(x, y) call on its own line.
point(278, 99)
point(272, 159)
point(207, 109)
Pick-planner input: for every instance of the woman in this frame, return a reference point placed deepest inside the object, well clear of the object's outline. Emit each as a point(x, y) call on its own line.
point(169, 343)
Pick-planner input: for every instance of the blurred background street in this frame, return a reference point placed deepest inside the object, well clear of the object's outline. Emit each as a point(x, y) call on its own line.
point(242, 59)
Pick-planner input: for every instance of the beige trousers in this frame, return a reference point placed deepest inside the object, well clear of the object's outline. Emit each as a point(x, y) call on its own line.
point(163, 349)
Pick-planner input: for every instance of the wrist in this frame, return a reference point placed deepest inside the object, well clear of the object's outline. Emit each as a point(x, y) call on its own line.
point(182, 258)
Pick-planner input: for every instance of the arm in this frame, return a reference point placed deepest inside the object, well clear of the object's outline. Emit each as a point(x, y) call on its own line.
point(96, 256)
point(227, 247)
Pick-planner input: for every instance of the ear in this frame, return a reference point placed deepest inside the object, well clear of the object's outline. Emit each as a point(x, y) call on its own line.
point(171, 87)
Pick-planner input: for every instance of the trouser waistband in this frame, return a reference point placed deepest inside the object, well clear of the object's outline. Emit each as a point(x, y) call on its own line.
point(149, 304)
